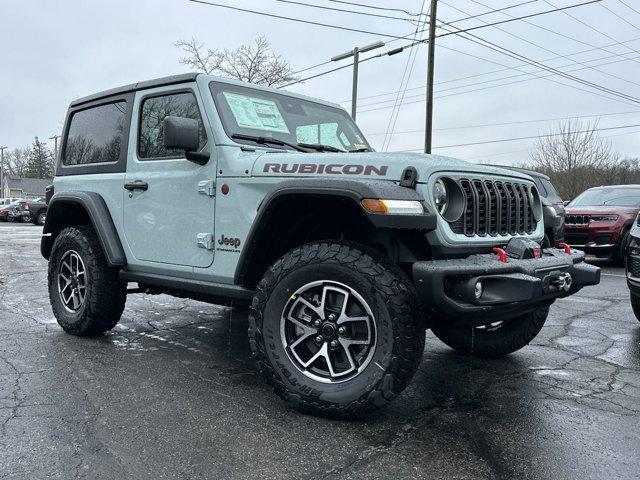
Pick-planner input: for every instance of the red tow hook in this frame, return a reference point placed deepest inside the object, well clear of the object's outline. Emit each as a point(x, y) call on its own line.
point(567, 248)
point(501, 253)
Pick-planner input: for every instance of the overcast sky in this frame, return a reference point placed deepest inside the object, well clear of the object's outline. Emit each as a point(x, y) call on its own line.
point(55, 51)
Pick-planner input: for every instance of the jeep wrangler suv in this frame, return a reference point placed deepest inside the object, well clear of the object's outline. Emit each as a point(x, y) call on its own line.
point(343, 255)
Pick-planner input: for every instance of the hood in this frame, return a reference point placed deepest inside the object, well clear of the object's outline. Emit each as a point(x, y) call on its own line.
point(603, 209)
point(372, 165)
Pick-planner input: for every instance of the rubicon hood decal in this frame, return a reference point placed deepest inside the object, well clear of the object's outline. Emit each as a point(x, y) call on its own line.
point(326, 168)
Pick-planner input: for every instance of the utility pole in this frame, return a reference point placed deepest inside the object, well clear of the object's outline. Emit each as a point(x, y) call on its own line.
point(55, 150)
point(430, 68)
point(355, 53)
point(2, 149)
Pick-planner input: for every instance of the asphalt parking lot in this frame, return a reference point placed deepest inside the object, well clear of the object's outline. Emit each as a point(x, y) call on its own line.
point(171, 392)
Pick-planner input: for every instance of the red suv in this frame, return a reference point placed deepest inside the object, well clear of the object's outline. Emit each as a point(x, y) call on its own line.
point(598, 220)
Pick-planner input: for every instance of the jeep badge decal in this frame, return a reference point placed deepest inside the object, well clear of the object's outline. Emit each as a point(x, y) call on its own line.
point(331, 168)
point(230, 242)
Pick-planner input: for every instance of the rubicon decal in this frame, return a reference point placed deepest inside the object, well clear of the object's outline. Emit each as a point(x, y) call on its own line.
point(330, 168)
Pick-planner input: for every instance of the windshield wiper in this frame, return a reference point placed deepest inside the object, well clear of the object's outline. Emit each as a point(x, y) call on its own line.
point(320, 147)
point(359, 150)
point(267, 141)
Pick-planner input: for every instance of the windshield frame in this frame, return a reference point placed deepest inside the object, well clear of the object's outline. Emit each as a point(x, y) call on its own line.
point(226, 115)
point(618, 191)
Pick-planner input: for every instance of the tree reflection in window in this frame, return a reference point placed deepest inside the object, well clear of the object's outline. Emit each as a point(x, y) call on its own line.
point(154, 111)
point(95, 135)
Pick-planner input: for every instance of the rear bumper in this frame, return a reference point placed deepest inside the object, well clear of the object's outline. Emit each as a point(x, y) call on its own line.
point(448, 287)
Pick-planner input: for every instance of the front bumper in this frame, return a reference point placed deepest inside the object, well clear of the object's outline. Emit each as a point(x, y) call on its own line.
point(448, 287)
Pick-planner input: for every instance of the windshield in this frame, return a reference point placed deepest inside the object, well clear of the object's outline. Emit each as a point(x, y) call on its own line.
point(620, 197)
point(252, 112)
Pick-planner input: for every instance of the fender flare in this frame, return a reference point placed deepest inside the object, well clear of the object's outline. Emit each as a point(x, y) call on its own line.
point(353, 190)
point(100, 217)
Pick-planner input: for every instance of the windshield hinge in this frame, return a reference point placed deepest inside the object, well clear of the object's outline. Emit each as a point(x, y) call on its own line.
point(205, 240)
point(409, 177)
point(207, 187)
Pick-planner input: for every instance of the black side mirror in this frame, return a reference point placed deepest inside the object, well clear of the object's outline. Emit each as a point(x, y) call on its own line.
point(182, 133)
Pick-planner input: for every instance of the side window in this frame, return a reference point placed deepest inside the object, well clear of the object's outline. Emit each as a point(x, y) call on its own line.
point(322, 133)
point(153, 112)
point(95, 135)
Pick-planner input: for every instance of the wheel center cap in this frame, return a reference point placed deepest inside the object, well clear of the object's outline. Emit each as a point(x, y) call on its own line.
point(328, 330)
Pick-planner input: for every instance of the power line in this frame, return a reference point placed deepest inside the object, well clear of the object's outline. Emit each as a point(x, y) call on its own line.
point(629, 6)
point(299, 20)
point(537, 45)
point(402, 89)
point(546, 135)
point(527, 74)
point(493, 11)
point(323, 7)
point(517, 122)
point(591, 27)
point(467, 77)
point(620, 17)
point(389, 9)
point(448, 33)
point(522, 58)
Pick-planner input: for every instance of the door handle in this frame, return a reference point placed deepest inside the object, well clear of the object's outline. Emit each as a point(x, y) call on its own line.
point(137, 185)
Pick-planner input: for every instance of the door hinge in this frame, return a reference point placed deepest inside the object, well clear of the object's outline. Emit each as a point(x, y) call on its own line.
point(207, 187)
point(205, 240)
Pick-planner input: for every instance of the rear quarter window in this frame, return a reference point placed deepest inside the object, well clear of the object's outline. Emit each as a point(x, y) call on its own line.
point(96, 135)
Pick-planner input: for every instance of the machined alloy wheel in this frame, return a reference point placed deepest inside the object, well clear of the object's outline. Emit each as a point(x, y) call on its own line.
point(328, 330)
point(72, 281)
point(41, 218)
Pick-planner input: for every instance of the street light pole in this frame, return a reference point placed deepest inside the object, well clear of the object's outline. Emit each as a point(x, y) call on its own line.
point(355, 53)
point(2, 149)
point(430, 68)
point(55, 139)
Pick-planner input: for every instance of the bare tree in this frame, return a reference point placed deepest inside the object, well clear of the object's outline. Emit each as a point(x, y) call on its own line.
point(17, 161)
point(254, 63)
point(574, 157)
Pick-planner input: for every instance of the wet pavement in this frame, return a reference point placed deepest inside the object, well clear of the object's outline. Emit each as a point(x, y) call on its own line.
point(171, 392)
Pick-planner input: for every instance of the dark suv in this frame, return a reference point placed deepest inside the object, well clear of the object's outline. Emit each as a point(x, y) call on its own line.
point(599, 219)
point(553, 207)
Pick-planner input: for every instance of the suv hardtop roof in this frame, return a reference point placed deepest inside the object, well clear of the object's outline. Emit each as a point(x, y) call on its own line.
point(190, 77)
point(632, 186)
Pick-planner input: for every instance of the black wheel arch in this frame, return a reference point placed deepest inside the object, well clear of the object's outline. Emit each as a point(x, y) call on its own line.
point(83, 208)
point(333, 210)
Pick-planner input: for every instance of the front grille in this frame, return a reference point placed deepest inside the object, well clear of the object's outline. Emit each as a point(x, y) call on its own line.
point(577, 220)
point(633, 265)
point(495, 208)
point(576, 237)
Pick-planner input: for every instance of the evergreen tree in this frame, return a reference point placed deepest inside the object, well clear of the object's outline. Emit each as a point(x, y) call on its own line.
point(40, 162)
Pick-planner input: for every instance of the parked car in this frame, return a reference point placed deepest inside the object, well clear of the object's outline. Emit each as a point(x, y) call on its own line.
point(553, 206)
point(344, 255)
point(599, 219)
point(6, 201)
point(10, 212)
point(30, 211)
point(632, 266)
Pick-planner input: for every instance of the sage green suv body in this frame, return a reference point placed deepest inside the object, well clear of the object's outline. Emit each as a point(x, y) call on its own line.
point(232, 193)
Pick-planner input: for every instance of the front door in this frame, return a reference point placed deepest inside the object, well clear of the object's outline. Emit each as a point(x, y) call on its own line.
point(169, 211)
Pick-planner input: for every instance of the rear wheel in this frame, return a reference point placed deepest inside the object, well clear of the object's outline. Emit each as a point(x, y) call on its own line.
point(335, 330)
point(495, 339)
point(40, 218)
point(87, 296)
point(635, 305)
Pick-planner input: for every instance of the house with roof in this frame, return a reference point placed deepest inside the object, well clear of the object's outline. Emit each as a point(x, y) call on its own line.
point(13, 186)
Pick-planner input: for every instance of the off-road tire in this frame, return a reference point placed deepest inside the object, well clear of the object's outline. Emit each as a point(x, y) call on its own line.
point(393, 301)
point(105, 295)
point(510, 337)
point(635, 305)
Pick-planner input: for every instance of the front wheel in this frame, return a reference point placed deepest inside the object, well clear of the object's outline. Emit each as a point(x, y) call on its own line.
point(40, 218)
point(335, 329)
point(86, 294)
point(494, 339)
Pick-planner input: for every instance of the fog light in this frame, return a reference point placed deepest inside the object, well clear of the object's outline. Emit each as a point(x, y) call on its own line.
point(478, 290)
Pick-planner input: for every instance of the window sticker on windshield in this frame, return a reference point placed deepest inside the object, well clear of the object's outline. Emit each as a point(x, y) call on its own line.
point(252, 112)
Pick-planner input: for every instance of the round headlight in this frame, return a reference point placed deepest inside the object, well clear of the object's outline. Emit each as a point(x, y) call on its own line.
point(440, 196)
